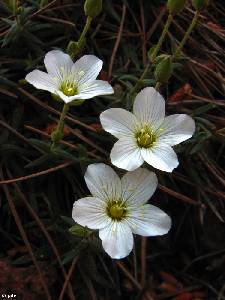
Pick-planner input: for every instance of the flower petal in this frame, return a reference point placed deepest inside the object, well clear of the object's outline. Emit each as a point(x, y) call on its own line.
point(66, 99)
point(176, 129)
point(149, 220)
point(119, 122)
point(86, 69)
point(125, 154)
point(90, 212)
point(138, 186)
point(117, 239)
point(58, 64)
point(42, 81)
point(161, 157)
point(103, 182)
point(95, 88)
point(149, 107)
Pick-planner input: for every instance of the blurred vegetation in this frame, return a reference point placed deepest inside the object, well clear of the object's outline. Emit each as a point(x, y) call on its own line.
point(36, 202)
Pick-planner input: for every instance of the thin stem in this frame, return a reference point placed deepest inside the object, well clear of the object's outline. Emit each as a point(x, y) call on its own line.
point(155, 52)
point(184, 40)
point(135, 88)
point(162, 37)
point(58, 133)
point(157, 86)
point(187, 34)
point(74, 48)
point(84, 32)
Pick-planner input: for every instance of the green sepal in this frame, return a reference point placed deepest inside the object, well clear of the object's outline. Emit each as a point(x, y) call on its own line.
point(164, 69)
point(56, 98)
point(80, 231)
point(200, 4)
point(92, 8)
point(175, 6)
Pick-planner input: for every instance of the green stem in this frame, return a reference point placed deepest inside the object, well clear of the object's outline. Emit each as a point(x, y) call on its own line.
point(157, 86)
point(155, 52)
point(58, 133)
point(162, 37)
point(184, 40)
point(135, 88)
point(84, 32)
point(74, 48)
point(187, 34)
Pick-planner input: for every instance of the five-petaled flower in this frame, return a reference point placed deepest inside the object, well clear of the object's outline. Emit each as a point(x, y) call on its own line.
point(146, 135)
point(118, 208)
point(70, 81)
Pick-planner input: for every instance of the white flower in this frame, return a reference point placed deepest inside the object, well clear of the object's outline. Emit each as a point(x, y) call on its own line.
point(68, 80)
point(146, 135)
point(118, 208)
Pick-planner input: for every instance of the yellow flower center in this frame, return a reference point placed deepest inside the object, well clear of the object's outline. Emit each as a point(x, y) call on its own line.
point(116, 210)
point(68, 89)
point(145, 137)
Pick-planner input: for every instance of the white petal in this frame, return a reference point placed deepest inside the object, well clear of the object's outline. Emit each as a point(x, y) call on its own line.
point(176, 129)
point(117, 239)
point(149, 107)
point(42, 81)
point(149, 220)
point(95, 88)
point(90, 212)
point(103, 182)
point(138, 186)
point(86, 69)
point(119, 122)
point(125, 154)
point(58, 64)
point(161, 157)
point(66, 99)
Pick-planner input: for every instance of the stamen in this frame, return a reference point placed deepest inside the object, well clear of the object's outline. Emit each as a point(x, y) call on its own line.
point(116, 210)
point(68, 88)
point(145, 137)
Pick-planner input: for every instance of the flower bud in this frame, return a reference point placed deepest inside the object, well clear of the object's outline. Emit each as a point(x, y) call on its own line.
point(175, 6)
point(163, 70)
point(92, 8)
point(79, 230)
point(74, 48)
point(200, 4)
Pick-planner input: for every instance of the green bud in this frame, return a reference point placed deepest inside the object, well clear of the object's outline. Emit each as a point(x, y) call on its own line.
point(200, 4)
point(79, 230)
point(74, 48)
point(163, 70)
point(92, 8)
point(23, 82)
point(175, 6)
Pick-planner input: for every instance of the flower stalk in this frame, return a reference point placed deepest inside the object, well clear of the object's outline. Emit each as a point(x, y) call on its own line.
point(74, 48)
point(162, 37)
point(187, 34)
point(182, 43)
point(57, 135)
point(154, 54)
point(84, 32)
